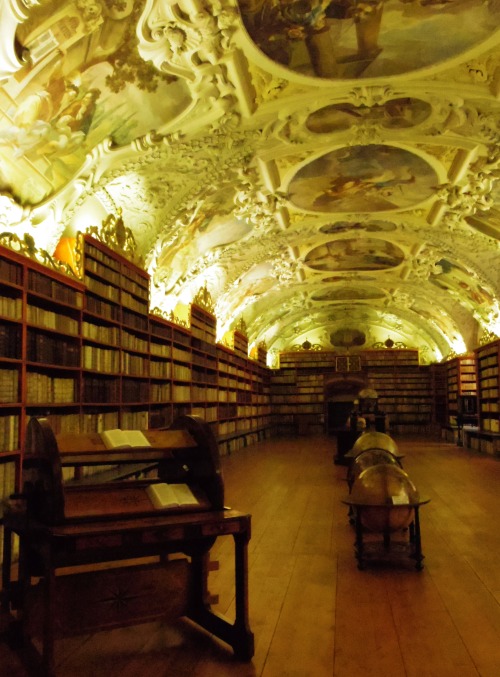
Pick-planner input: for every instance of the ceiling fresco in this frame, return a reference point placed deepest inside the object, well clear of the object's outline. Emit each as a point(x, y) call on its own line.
point(345, 293)
point(355, 254)
point(373, 38)
point(394, 114)
point(352, 226)
point(79, 87)
point(370, 178)
point(322, 169)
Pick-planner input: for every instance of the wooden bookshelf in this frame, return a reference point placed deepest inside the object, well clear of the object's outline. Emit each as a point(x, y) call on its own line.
point(402, 384)
point(439, 390)
point(461, 390)
point(40, 342)
point(88, 355)
point(115, 344)
point(488, 398)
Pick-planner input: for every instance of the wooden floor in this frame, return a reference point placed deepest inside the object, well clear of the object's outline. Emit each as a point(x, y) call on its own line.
point(314, 614)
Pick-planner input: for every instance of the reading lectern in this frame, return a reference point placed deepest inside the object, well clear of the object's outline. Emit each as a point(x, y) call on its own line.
point(64, 525)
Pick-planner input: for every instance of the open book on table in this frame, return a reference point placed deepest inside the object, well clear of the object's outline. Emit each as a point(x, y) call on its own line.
point(163, 495)
point(124, 439)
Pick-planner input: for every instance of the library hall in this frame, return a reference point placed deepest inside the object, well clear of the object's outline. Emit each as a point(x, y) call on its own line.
point(249, 338)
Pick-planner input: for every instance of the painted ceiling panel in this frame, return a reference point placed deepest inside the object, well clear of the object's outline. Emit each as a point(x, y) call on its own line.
point(325, 169)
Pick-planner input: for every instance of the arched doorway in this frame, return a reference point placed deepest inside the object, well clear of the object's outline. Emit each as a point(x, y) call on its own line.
point(340, 393)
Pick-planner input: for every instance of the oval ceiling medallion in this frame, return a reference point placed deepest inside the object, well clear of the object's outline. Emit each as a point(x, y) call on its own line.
point(393, 114)
point(347, 39)
point(354, 254)
point(351, 226)
point(371, 178)
point(348, 294)
point(347, 337)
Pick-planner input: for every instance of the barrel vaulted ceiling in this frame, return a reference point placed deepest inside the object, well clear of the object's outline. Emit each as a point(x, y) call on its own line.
point(327, 170)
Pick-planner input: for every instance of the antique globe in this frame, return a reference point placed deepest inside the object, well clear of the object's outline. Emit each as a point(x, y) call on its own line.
point(384, 491)
point(374, 440)
point(366, 459)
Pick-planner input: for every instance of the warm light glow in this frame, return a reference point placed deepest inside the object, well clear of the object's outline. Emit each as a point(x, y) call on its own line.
point(182, 311)
point(457, 345)
point(492, 323)
point(66, 252)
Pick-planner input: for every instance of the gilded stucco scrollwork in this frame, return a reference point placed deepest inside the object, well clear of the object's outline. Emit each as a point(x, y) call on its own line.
point(188, 40)
point(113, 233)
point(198, 134)
point(465, 200)
point(26, 245)
point(204, 299)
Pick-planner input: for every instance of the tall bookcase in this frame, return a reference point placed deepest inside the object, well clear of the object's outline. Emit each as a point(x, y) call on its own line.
point(461, 389)
point(115, 341)
point(205, 386)
point(40, 345)
point(488, 382)
point(12, 334)
point(403, 387)
point(439, 390)
point(88, 355)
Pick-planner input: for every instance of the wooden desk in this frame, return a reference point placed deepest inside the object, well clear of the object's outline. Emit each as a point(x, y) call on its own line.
point(62, 528)
point(386, 548)
point(122, 596)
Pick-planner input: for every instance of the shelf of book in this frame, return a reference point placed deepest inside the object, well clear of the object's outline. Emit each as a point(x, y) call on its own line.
point(40, 316)
point(461, 390)
point(488, 386)
point(88, 355)
point(115, 338)
point(203, 325)
point(439, 391)
point(160, 372)
point(402, 385)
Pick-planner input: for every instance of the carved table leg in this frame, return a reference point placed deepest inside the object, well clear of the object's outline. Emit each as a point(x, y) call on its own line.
point(238, 634)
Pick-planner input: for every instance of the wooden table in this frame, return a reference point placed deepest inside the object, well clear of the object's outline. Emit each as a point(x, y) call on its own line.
point(173, 586)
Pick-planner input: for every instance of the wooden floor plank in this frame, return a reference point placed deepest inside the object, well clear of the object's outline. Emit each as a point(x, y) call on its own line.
point(366, 639)
point(313, 613)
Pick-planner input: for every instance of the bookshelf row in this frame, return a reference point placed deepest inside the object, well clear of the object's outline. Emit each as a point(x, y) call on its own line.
point(403, 387)
point(464, 389)
point(90, 356)
point(488, 387)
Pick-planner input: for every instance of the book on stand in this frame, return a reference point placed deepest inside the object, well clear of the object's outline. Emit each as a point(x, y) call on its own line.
point(163, 495)
point(124, 439)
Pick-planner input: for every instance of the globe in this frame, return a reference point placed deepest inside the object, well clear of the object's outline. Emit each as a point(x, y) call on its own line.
point(366, 459)
point(384, 491)
point(373, 440)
